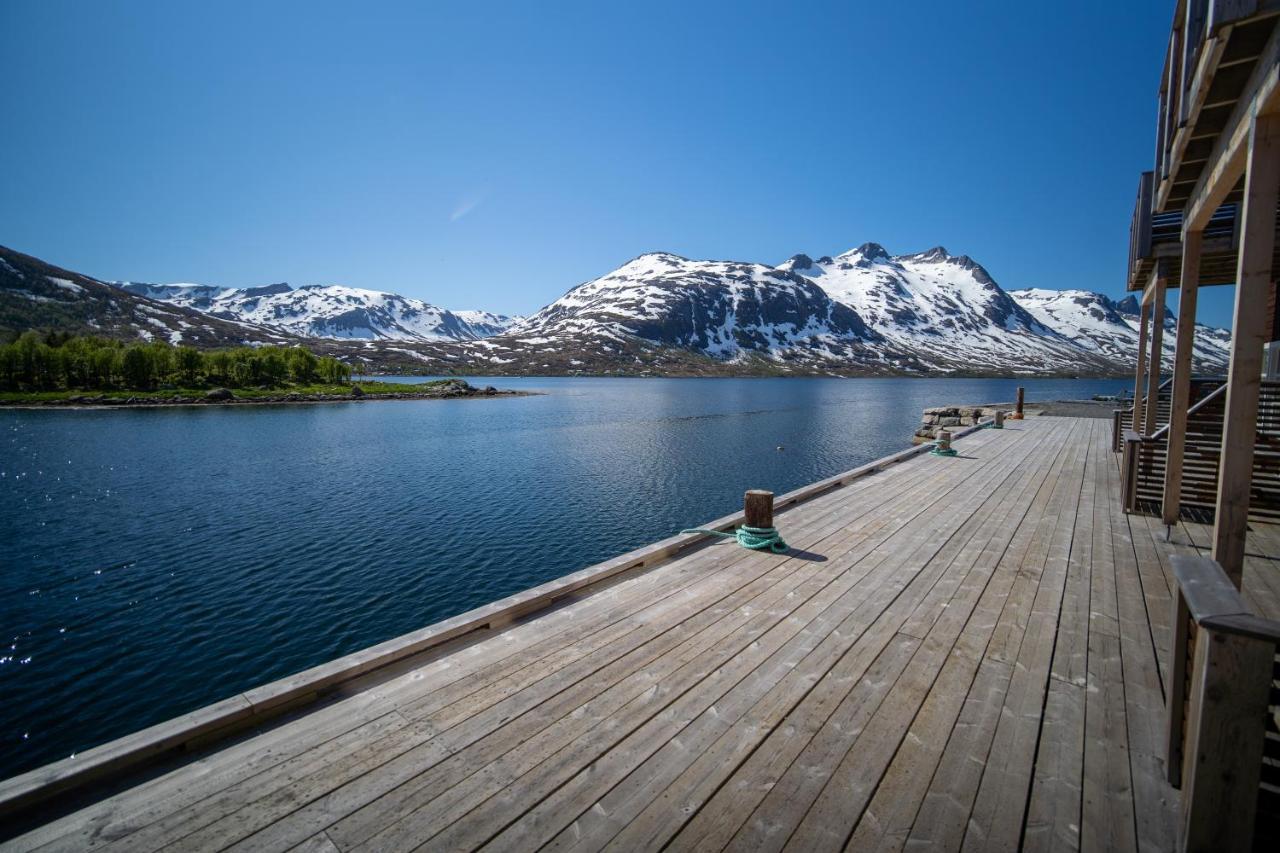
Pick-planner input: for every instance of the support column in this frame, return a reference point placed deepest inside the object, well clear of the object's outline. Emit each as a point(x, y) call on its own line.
point(1157, 354)
point(1253, 280)
point(1180, 398)
point(1143, 313)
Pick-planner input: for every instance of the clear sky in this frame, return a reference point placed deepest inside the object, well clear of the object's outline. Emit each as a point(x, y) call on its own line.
point(493, 155)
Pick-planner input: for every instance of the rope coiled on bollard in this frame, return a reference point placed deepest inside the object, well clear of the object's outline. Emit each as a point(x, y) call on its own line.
point(752, 538)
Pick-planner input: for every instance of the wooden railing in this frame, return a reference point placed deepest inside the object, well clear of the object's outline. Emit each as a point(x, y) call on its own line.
point(1159, 235)
point(1140, 223)
point(1122, 419)
point(1221, 710)
point(1143, 463)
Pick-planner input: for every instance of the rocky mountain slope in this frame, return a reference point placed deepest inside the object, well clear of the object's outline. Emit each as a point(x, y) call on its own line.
point(38, 295)
point(947, 310)
point(1101, 325)
point(330, 311)
point(725, 310)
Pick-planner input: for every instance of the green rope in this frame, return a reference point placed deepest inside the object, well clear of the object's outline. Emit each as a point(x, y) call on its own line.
point(938, 451)
point(754, 538)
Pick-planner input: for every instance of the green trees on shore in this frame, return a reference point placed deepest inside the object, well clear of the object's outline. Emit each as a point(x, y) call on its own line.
point(64, 362)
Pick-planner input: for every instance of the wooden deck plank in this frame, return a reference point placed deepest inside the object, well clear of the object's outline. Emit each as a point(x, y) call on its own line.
point(865, 613)
point(943, 816)
point(1154, 803)
point(1107, 821)
point(1000, 805)
point(113, 818)
point(812, 725)
point(628, 609)
point(720, 818)
point(408, 765)
point(1053, 811)
point(859, 773)
point(970, 654)
point(406, 790)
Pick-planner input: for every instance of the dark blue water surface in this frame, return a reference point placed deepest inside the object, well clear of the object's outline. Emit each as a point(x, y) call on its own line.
point(156, 560)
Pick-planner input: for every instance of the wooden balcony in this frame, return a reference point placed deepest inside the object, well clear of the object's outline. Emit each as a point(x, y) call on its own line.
point(1220, 53)
point(1155, 242)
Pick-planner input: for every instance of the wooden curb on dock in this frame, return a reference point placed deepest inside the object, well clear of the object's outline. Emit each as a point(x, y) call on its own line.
point(199, 728)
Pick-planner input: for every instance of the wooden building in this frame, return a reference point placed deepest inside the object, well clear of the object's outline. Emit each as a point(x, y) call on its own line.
point(1208, 448)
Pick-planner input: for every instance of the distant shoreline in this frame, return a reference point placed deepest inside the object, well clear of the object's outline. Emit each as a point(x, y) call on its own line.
point(443, 390)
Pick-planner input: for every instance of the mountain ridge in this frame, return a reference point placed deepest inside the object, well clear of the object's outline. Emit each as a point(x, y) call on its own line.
point(328, 311)
point(862, 312)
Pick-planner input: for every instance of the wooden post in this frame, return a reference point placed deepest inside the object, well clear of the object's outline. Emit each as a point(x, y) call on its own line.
point(1175, 690)
point(1152, 409)
point(944, 439)
point(1180, 396)
point(1253, 280)
point(999, 424)
point(1017, 406)
point(1143, 313)
point(1230, 684)
point(757, 505)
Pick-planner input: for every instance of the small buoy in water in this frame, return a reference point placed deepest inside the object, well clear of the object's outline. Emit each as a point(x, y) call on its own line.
point(780, 448)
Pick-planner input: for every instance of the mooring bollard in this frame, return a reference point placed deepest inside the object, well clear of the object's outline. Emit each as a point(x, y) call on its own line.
point(1017, 407)
point(999, 423)
point(757, 532)
point(942, 444)
point(757, 506)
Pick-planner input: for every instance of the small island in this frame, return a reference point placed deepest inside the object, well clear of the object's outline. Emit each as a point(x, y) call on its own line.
point(71, 371)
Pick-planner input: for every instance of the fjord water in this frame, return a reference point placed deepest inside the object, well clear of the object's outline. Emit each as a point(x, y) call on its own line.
point(157, 560)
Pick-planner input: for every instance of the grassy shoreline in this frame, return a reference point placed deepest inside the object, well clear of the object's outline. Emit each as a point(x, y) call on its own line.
point(308, 393)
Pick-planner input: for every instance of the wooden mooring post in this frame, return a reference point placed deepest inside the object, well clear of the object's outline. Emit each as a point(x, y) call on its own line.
point(757, 506)
point(999, 423)
point(1017, 407)
point(942, 444)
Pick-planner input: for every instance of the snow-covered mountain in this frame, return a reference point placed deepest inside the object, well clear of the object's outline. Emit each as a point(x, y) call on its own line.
point(865, 312)
point(946, 310)
point(1109, 328)
point(723, 309)
point(37, 295)
point(331, 311)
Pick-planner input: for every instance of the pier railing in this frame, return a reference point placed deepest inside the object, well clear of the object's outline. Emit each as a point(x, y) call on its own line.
point(1222, 706)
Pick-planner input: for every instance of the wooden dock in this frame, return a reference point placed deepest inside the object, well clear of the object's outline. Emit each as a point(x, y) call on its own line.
point(958, 653)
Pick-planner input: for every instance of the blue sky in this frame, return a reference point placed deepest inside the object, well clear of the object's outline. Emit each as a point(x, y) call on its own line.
point(493, 155)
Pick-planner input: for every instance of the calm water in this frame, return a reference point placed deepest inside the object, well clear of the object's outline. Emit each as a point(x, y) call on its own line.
point(154, 561)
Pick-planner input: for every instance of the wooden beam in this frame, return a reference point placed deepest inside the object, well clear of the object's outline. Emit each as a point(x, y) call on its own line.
point(1175, 691)
point(1253, 282)
point(1139, 374)
point(1226, 715)
point(1180, 398)
point(1226, 729)
point(1228, 156)
point(1157, 354)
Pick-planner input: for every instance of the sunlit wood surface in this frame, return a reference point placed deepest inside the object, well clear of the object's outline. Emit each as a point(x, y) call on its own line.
point(963, 652)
